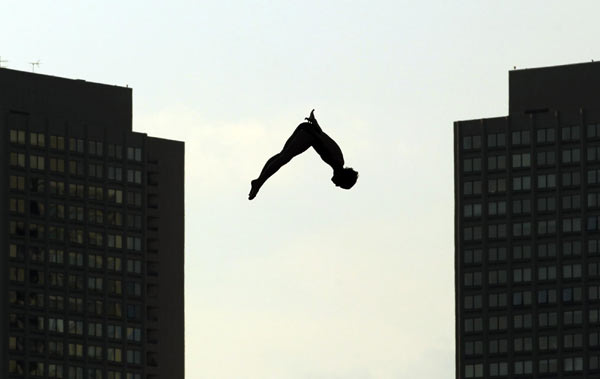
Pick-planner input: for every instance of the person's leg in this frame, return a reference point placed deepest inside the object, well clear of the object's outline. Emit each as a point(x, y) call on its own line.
point(298, 143)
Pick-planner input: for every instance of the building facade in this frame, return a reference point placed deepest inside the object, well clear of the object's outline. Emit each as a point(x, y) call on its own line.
point(92, 221)
point(527, 230)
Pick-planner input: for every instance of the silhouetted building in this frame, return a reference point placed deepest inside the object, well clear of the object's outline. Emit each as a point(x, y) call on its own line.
point(92, 220)
point(527, 230)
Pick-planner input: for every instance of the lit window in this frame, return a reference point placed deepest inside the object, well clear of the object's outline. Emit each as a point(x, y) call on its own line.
point(57, 142)
point(37, 139)
point(17, 136)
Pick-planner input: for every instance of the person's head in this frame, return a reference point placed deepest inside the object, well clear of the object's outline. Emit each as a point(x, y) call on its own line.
point(345, 178)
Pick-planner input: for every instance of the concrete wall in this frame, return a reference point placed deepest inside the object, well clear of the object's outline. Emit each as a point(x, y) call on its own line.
point(168, 158)
point(568, 87)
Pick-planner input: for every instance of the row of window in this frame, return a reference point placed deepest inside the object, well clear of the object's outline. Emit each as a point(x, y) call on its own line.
point(524, 183)
point(526, 274)
point(523, 137)
point(526, 298)
point(57, 370)
point(110, 308)
point(571, 341)
point(544, 320)
point(573, 318)
point(73, 327)
point(74, 236)
point(523, 206)
point(76, 145)
point(58, 211)
point(56, 347)
point(524, 229)
point(57, 279)
point(525, 367)
point(523, 160)
point(75, 191)
point(57, 256)
point(499, 254)
point(74, 167)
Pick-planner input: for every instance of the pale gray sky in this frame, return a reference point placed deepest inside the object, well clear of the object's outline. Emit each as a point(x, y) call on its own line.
point(309, 281)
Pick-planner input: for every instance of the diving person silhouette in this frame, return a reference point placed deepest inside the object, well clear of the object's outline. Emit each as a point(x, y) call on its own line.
point(308, 134)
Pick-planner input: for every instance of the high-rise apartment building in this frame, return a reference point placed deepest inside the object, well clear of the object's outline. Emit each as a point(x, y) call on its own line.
point(527, 230)
point(91, 220)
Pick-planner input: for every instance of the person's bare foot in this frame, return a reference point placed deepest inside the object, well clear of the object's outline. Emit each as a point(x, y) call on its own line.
point(254, 189)
point(311, 118)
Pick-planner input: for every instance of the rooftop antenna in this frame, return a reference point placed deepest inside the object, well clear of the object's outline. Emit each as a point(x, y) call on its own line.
point(2, 61)
point(33, 64)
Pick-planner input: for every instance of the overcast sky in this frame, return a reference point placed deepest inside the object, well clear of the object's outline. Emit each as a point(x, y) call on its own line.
point(309, 281)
